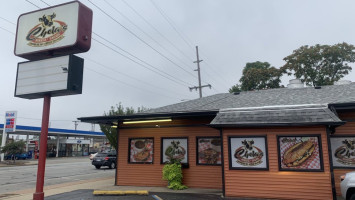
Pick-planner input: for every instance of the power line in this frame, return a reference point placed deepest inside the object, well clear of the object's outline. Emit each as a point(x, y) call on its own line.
point(7, 30)
point(172, 24)
point(162, 35)
point(33, 4)
point(7, 21)
point(159, 71)
point(140, 39)
point(145, 33)
point(102, 74)
point(162, 73)
point(45, 3)
point(132, 77)
point(187, 41)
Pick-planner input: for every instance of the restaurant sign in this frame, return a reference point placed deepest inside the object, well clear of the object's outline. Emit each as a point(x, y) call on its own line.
point(248, 152)
point(59, 30)
point(343, 151)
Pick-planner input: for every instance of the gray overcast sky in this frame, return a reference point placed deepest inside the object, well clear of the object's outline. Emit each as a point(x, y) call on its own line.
point(229, 34)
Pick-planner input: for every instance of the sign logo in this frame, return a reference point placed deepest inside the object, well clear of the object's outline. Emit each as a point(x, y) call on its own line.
point(47, 32)
point(345, 154)
point(10, 121)
point(248, 154)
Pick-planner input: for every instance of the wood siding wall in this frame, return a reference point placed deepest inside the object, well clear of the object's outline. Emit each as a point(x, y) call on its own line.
point(198, 176)
point(274, 183)
point(347, 129)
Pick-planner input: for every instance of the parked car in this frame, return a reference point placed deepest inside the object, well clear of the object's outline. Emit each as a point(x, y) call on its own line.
point(347, 186)
point(105, 159)
point(18, 156)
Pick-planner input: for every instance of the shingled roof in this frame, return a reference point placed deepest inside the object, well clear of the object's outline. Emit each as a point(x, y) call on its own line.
point(334, 94)
point(340, 96)
point(276, 116)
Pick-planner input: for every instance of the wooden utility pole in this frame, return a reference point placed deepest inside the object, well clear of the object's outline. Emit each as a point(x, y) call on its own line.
point(199, 87)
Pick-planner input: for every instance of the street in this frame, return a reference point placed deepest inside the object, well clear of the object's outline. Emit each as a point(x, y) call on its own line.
point(58, 171)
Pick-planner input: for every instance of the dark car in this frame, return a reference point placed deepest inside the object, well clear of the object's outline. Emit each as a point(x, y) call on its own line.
point(105, 159)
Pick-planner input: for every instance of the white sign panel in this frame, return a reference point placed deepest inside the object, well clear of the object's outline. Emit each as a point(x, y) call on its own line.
point(42, 76)
point(57, 76)
point(343, 151)
point(10, 121)
point(49, 28)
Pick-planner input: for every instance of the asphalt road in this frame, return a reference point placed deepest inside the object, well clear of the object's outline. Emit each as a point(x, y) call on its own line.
point(57, 172)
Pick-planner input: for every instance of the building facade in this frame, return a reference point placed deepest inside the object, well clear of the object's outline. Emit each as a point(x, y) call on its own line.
point(279, 143)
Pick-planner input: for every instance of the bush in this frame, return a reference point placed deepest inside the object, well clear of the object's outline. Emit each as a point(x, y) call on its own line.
point(173, 174)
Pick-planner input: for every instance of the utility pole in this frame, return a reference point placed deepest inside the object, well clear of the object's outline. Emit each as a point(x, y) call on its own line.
point(199, 87)
point(76, 124)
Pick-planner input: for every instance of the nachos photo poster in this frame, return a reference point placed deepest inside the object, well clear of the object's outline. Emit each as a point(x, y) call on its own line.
point(248, 153)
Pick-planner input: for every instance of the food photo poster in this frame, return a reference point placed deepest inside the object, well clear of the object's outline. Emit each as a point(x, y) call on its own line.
point(343, 151)
point(174, 148)
point(300, 153)
point(141, 150)
point(209, 151)
point(248, 153)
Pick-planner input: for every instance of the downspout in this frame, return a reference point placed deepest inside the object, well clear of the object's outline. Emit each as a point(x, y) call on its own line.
point(331, 130)
point(117, 153)
point(222, 160)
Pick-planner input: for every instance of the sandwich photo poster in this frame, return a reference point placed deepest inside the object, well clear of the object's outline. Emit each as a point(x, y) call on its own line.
point(141, 150)
point(248, 152)
point(174, 148)
point(343, 151)
point(300, 153)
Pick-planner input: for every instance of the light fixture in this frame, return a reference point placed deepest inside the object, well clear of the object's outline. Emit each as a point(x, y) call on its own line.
point(147, 121)
point(114, 126)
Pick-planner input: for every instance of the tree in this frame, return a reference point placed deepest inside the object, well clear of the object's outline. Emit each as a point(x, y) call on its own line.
point(259, 75)
point(13, 148)
point(320, 64)
point(235, 88)
point(111, 133)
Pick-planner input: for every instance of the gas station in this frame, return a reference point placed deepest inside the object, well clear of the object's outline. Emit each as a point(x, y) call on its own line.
point(71, 143)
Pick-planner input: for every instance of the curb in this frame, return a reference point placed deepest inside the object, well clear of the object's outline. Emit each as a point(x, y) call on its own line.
point(121, 192)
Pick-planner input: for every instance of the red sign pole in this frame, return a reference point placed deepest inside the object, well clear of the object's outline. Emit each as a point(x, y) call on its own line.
point(39, 194)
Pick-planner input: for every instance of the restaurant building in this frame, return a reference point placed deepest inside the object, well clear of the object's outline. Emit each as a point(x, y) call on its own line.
point(287, 143)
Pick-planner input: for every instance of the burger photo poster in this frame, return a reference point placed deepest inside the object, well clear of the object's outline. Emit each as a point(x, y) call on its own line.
point(343, 151)
point(141, 150)
point(248, 152)
point(300, 153)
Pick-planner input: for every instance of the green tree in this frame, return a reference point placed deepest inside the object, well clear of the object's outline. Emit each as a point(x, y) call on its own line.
point(259, 75)
point(13, 148)
point(235, 88)
point(320, 64)
point(109, 131)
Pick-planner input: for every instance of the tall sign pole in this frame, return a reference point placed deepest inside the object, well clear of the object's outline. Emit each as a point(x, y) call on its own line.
point(39, 194)
point(48, 38)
